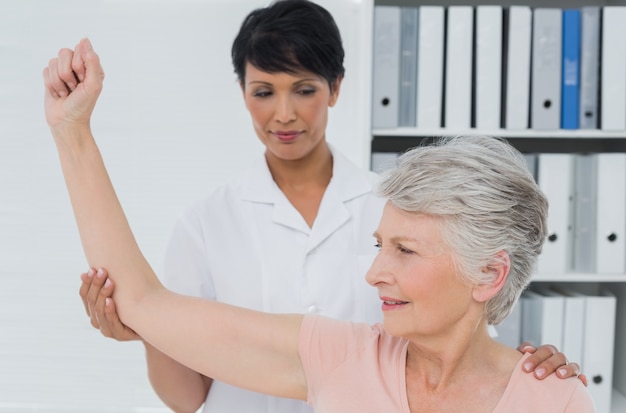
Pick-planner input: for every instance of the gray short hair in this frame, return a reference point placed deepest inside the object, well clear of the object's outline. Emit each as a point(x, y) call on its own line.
point(488, 201)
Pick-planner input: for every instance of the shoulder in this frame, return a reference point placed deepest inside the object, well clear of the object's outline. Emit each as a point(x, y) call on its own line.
point(322, 337)
point(548, 395)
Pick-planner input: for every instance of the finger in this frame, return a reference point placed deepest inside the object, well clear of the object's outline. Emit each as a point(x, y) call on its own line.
point(85, 278)
point(93, 72)
point(583, 378)
point(54, 84)
point(92, 295)
point(77, 64)
point(568, 370)
point(540, 354)
point(107, 328)
point(526, 347)
point(119, 330)
point(64, 69)
point(547, 359)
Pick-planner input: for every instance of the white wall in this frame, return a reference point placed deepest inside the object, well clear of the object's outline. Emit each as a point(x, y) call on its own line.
point(171, 125)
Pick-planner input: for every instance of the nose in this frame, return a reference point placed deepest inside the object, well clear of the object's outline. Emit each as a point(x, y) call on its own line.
point(285, 110)
point(378, 271)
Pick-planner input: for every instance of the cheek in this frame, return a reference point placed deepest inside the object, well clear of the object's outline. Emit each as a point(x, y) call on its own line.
point(315, 113)
point(258, 111)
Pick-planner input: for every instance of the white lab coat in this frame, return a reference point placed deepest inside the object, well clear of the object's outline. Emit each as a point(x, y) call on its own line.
point(246, 245)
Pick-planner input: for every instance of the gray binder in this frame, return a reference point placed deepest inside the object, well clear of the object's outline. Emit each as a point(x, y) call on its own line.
point(546, 69)
point(386, 67)
point(407, 110)
point(589, 67)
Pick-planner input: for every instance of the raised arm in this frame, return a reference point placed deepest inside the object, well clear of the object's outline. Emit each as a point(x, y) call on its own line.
point(249, 349)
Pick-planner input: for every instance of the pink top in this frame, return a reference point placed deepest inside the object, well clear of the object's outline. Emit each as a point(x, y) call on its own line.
point(354, 367)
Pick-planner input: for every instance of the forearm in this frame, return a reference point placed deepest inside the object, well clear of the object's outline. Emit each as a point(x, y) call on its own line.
point(180, 388)
point(104, 231)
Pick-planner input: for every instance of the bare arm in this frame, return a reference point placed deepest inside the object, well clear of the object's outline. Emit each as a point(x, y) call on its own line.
point(249, 349)
point(182, 389)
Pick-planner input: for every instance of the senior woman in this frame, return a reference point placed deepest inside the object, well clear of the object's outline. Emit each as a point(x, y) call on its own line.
point(458, 239)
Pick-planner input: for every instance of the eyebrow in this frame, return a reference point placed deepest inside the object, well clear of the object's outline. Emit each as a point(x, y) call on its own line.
point(398, 239)
point(262, 82)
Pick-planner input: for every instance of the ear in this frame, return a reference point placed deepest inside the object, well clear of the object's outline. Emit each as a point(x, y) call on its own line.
point(498, 269)
point(334, 93)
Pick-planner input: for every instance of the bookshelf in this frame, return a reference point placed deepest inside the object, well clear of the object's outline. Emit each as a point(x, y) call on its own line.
point(389, 140)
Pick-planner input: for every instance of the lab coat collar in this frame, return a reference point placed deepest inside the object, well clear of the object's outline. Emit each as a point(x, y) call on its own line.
point(348, 182)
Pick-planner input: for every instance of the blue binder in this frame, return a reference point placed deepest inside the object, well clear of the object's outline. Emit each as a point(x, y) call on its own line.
point(570, 90)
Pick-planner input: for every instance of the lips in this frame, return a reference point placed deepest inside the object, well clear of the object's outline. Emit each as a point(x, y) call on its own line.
point(286, 136)
point(392, 303)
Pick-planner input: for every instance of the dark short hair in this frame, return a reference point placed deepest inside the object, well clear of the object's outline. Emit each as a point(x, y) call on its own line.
point(289, 36)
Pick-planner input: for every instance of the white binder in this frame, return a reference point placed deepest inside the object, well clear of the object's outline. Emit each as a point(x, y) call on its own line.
point(613, 67)
point(611, 212)
point(517, 87)
point(589, 67)
point(386, 67)
point(459, 67)
point(542, 318)
point(619, 356)
point(573, 326)
point(598, 347)
point(509, 331)
point(430, 70)
point(555, 178)
point(546, 69)
point(488, 76)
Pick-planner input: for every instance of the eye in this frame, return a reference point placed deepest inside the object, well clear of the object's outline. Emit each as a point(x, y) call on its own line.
point(404, 250)
point(307, 91)
point(262, 94)
point(378, 245)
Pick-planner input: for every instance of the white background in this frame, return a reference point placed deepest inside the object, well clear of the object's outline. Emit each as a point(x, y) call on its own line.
point(171, 125)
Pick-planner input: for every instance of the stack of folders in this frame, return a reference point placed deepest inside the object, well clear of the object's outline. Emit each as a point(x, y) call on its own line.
point(586, 218)
point(491, 67)
point(581, 324)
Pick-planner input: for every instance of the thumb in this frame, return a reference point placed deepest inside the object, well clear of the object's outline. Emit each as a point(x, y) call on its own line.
point(94, 74)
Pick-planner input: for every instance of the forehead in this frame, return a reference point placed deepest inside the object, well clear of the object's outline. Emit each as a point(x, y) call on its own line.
point(396, 222)
point(254, 74)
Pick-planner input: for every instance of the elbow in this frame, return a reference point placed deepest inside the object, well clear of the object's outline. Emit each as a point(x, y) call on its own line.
point(136, 303)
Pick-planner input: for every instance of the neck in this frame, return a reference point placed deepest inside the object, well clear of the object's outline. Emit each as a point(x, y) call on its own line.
point(315, 169)
point(437, 364)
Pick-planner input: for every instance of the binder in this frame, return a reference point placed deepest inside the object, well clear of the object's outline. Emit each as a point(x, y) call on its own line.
point(488, 73)
point(555, 178)
point(518, 23)
point(509, 331)
point(570, 69)
point(386, 67)
point(545, 113)
point(381, 161)
point(430, 70)
point(598, 347)
point(589, 67)
point(408, 66)
point(573, 327)
point(613, 67)
point(619, 357)
point(531, 162)
point(459, 70)
point(611, 212)
point(542, 318)
point(585, 200)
